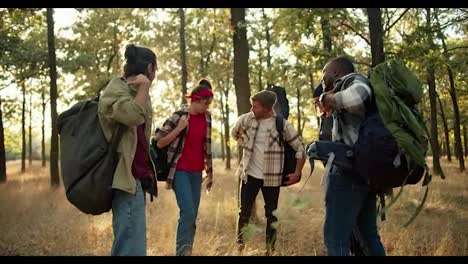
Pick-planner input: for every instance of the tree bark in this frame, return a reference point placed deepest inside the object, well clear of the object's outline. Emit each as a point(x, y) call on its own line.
point(23, 128)
point(326, 33)
point(241, 71)
point(376, 35)
point(30, 128)
point(443, 150)
point(299, 115)
point(453, 96)
point(43, 150)
point(54, 148)
point(434, 133)
point(241, 60)
point(223, 151)
point(183, 59)
point(260, 68)
point(227, 141)
point(221, 130)
point(268, 48)
point(446, 131)
point(3, 176)
point(464, 139)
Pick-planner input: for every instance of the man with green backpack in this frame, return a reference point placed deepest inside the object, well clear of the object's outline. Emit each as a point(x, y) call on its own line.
point(348, 199)
point(376, 122)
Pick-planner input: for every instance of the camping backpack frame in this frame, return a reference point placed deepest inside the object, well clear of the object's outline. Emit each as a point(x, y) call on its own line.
point(87, 160)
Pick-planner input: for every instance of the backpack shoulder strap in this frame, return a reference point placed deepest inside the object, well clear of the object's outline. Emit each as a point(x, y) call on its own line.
point(179, 112)
point(280, 127)
point(370, 103)
point(181, 135)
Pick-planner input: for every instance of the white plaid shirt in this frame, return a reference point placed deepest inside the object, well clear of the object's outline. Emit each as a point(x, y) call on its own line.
point(352, 92)
point(274, 152)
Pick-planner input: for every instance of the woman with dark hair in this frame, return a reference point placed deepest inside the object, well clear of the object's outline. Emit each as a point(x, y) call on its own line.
point(126, 101)
point(193, 127)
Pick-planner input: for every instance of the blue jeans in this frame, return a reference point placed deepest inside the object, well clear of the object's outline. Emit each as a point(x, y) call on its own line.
point(187, 188)
point(129, 223)
point(350, 206)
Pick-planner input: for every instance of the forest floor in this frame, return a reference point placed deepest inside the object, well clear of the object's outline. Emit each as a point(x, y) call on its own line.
point(36, 219)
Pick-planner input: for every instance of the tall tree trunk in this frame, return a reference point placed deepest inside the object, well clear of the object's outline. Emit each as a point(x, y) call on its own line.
point(299, 114)
point(183, 60)
point(23, 128)
point(221, 130)
point(241, 71)
point(268, 48)
point(434, 133)
point(446, 131)
point(326, 33)
point(260, 67)
point(223, 151)
point(43, 151)
point(443, 150)
point(241, 60)
point(376, 35)
point(3, 176)
point(464, 139)
point(30, 128)
point(227, 141)
point(312, 87)
point(54, 148)
point(453, 96)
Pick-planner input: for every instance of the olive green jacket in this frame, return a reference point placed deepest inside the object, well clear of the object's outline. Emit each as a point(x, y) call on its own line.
point(116, 104)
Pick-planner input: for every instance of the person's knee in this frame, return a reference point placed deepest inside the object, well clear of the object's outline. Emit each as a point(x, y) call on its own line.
point(270, 216)
point(188, 215)
point(244, 211)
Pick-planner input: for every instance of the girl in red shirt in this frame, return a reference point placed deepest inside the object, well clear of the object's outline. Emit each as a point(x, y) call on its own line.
point(194, 157)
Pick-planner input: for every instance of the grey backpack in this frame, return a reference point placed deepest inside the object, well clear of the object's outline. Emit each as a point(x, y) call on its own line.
point(87, 160)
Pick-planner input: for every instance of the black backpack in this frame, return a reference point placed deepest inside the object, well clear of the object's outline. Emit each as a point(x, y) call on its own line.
point(87, 160)
point(376, 150)
point(159, 155)
point(289, 153)
point(282, 100)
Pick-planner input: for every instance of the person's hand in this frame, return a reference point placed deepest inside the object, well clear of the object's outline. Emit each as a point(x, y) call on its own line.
point(325, 109)
point(209, 182)
point(168, 184)
point(183, 122)
point(239, 135)
point(293, 178)
point(209, 185)
point(140, 81)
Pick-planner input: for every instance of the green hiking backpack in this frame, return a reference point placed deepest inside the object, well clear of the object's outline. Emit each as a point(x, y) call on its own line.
point(393, 139)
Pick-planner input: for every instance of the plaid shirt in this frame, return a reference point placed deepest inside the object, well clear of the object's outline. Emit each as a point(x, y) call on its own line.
point(274, 152)
point(352, 92)
point(168, 126)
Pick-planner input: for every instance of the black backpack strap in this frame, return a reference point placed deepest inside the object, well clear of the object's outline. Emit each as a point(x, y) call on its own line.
point(382, 205)
point(280, 128)
point(181, 136)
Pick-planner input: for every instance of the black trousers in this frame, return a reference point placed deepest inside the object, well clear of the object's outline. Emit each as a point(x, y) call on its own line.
point(249, 192)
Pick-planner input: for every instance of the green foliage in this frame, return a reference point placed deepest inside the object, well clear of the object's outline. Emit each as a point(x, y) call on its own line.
point(92, 52)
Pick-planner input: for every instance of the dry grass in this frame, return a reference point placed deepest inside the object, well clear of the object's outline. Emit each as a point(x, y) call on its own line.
point(38, 220)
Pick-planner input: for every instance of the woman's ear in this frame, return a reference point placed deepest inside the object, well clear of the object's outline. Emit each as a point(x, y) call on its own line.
point(151, 71)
